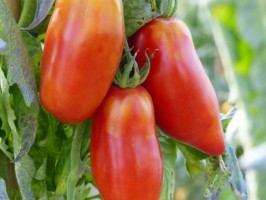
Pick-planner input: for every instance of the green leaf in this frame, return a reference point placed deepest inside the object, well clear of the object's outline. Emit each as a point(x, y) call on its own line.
point(190, 152)
point(169, 153)
point(83, 192)
point(228, 117)
point(41, 172)
point(225, 169)
point(43, 8)
point(53, 145)
point(25, 171)
point(19, 71)
point(63, 168)
point(6, 112)
point(3, 192)
point(236, 179)
point(137, 13)
point(215, 178)
point(195, 166)
point(77, 165)
point(45, 152)
point(27, 123)
point(5, 148)
point(194, 159)
point(34, 49)
point(17, 60)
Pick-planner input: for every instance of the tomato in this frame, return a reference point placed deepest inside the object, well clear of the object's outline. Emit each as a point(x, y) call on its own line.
point(126, 159)
point(185, 103)
point(80, 57)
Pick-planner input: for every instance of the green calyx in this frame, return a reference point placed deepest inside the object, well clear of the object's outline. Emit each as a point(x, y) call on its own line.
point(128, 74)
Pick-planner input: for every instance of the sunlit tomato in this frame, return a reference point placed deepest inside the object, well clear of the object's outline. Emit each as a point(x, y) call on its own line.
point(185, 102)
point(83, 47)
point(126, 159)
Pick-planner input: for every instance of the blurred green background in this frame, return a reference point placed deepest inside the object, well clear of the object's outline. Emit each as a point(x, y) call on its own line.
point(230, 38)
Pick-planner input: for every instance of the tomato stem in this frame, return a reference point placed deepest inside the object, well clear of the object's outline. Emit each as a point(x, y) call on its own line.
point(128, 75)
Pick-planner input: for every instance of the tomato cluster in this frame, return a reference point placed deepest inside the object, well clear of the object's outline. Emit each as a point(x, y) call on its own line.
point(81, 55)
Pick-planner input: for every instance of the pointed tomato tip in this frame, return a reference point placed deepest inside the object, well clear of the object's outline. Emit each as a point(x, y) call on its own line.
point(216, 150)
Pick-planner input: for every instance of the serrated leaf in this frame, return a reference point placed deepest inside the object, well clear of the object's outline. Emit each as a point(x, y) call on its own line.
point(6, 112)
point(43, 8)
point(17, 60)
point(169, 153)
point(27, 123)
point(25, 171)
point(19, 71)
point(3, 191)
point(77, 165)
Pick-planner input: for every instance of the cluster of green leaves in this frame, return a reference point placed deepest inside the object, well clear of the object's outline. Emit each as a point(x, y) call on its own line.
point(41, 158)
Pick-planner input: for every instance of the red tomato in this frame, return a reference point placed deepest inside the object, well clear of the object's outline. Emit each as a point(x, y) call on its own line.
point(185, 103)
point(80, 57)
point(126, 159)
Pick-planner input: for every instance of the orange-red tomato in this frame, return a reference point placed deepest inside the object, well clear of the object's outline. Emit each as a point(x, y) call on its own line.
point(83, 47)
point(185, 103)
point(126, 159)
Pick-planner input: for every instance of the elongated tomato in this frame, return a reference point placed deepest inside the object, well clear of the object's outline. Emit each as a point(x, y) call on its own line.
point(83, 47)
point(185, 103)
point(126, 159)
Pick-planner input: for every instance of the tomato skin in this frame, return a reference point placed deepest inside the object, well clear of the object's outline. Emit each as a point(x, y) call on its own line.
point(126, 158)
point(80, 57)
point(185, 103)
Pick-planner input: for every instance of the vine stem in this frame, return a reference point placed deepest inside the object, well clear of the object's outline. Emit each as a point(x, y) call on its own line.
point(129, 75)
